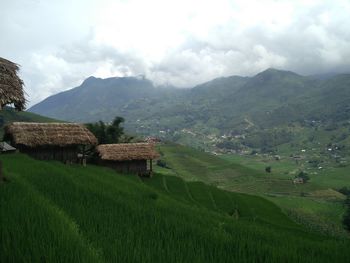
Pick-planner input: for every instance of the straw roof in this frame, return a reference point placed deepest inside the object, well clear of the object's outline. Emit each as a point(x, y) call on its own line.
point(127, 151)
point(49, 134)
point(11, 86)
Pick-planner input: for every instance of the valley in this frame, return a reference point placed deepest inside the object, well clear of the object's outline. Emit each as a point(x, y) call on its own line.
point(175, 131)
point(273, 111)
point(316, 203)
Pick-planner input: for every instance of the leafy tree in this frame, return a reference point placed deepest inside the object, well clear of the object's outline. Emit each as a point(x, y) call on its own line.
point(162, 163)
point(304, 176)
point(345, 191)
point(109, 133)
point(268, 169)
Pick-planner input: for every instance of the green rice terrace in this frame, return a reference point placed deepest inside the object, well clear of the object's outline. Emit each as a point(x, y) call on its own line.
point(51, 212)
point(317, 204)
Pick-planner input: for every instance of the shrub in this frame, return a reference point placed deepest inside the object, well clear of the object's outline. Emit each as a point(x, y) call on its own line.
point(162, 163)
point(303, 175)
point(268, 169)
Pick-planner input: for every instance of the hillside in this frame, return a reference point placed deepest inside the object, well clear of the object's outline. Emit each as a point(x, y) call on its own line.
point(57, 213)
point(10, 115)
point(227, 114)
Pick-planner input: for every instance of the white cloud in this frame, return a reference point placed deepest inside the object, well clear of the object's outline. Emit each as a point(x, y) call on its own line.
point(183, 43)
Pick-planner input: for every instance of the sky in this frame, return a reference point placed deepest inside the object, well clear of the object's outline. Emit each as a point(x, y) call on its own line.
point(59, 43)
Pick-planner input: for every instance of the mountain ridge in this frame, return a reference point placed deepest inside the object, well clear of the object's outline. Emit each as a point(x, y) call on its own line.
point(270, 100)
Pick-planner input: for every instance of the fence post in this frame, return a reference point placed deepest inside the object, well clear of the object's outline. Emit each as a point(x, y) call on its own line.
point(1, 174)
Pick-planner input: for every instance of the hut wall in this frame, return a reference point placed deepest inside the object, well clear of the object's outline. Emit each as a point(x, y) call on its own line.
point(62, 154)
point(133, 166)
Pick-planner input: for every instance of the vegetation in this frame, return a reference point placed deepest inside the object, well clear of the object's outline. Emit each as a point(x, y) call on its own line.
point(346, 218)
point(316, 204)
point(10, 115)
point(57, 213)
point(109, 133)
point(303, 176)
point(268, 169)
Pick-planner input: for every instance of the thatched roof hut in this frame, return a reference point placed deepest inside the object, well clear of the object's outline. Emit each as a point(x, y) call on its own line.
point(50, 141)
point(128, 157)
point(11, 86)
point(32, 134)
point(127, 151)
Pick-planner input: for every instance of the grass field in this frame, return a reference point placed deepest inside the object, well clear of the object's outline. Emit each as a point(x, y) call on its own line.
point(316, 204)
point(51, 212)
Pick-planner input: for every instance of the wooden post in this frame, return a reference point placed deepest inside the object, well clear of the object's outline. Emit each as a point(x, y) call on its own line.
point(84, 160)
point(150, 168)
point(1, 174)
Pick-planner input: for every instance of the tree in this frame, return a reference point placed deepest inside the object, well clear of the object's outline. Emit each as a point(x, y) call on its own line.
point(109, 133)
point(303, 175)
point(268, 169)
point(115, 131)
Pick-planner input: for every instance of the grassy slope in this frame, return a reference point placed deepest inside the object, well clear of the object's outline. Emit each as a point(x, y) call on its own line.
point(9, 115)
point(313, 204)
point(57, 213)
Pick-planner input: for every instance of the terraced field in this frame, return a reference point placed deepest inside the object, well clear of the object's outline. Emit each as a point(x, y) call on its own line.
point(314, 204)
point(51, 212)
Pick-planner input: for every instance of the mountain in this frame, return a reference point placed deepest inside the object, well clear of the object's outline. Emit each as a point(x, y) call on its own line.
point(270, 102)
point(95, 98)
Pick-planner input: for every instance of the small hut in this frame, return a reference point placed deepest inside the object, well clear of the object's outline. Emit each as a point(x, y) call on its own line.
point(128, 157)
point(50, 141)
point(11, 86)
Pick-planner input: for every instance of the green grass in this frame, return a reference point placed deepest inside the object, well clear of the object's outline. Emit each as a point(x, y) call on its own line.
point(228, 173)
point(316, 213)
point(56, 213)
point(247, 174)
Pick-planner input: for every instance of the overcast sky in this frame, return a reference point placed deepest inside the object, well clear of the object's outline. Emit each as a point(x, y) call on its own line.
point(59, 43)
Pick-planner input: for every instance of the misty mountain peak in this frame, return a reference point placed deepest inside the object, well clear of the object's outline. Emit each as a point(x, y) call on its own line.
point(272, 74)
point(90, 80)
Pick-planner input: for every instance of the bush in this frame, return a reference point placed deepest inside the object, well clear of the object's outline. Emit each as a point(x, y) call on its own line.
point(346, 218)
point(162, 163)
point(344, 191)
point(304, 176)
point(268, 169)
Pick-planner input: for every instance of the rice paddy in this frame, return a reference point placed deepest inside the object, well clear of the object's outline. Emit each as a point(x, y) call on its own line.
point(315, 204)
point(51, 212)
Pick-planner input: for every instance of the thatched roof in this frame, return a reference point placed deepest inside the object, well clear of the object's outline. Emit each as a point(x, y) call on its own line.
point(11, 86)
point(49, 134)
point(127, 151)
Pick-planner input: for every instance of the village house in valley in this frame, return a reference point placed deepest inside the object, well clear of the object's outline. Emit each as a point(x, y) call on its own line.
point(50, 141)
point(128, 157)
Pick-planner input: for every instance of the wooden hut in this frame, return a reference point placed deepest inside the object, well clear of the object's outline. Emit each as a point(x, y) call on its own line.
point(11, 86)
point(50, 141)
point(128, 157)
